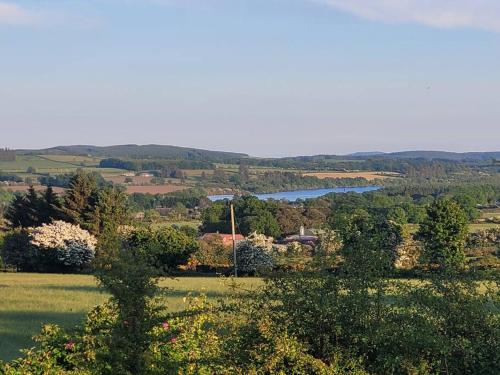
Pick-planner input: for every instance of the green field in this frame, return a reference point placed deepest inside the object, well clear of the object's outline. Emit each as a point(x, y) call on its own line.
point(53, 164)
point(30, 300)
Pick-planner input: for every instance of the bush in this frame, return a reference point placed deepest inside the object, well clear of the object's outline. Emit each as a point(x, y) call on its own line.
point(254, 255)
point(73, 247)
point(211, 254)
point(17, 252)
point(167, 247)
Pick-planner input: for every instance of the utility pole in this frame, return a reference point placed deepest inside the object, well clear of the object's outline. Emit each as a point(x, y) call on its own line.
point(234, 241)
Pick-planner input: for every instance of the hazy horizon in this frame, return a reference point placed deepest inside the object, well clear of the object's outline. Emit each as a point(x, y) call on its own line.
point(253, 155)
point(262, 77)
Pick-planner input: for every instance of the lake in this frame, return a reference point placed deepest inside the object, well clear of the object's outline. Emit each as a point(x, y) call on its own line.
point(295, 195)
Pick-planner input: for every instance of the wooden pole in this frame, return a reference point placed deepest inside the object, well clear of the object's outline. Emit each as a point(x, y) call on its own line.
point(234, 241)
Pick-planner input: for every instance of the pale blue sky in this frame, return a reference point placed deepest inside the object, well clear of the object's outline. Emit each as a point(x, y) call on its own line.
point(266, 77)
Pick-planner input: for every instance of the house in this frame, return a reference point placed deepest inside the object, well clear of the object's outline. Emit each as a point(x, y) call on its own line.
point(305, 240)
point(227, 239)
point(305, 237)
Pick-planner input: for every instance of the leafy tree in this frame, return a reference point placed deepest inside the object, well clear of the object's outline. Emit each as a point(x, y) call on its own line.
point(133, 284)
point(443, 234)
point(468, 204)
point(167, 247)
point(216, 218)
point(290, 218)
point(254, 215)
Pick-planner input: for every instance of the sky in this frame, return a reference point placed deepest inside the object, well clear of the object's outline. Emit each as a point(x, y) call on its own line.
point(264, 77)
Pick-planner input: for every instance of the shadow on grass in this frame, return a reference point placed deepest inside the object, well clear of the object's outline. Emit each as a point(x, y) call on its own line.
point(184, 293)
point(73, 288)
point(18, 327)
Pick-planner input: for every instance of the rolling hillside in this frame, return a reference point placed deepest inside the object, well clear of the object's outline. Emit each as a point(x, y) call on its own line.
point(138, 151)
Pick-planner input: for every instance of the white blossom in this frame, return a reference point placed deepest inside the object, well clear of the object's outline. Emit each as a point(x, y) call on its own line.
point(74, 245)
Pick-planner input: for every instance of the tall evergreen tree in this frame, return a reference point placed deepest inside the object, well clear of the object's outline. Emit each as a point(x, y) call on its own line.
point(77, 201)
point(24, 210)
point(50, 206)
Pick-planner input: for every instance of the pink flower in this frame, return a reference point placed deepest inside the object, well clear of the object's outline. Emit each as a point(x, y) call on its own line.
point(70, 345)
point(173, 340)
point(165, 326)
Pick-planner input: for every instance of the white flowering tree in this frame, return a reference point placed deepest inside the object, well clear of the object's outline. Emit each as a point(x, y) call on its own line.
point(255, 254)
point(73, 246)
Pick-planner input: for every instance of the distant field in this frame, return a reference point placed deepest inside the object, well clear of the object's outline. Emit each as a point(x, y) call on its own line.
point(74, 159)
point(24, 188)
point(367, 175)
point(54, 164)
point(136, 180)
point(197, 172)
point(477, 227)
point(30, 300)
point(130, 189)
point(23, 162)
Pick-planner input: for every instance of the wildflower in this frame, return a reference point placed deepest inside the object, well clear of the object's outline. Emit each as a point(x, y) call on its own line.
point(165, 326)
point(70, 345)
point(173, 340)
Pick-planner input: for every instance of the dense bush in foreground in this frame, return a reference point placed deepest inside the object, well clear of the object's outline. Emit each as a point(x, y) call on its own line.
point(351, 321)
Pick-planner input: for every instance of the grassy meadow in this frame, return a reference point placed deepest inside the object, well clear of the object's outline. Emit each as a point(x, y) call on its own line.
point(30, 300)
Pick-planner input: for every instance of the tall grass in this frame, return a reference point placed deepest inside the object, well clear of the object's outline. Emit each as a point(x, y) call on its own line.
point(27, 301)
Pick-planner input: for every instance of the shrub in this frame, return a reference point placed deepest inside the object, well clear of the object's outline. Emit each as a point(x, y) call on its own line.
point(17, 252)
point(254, 255)
point(166, 247)
point(212, 253)
point(73, 247)
point(443, 234)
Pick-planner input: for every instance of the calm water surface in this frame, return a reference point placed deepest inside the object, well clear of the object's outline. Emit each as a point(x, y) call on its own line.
point(295, 195)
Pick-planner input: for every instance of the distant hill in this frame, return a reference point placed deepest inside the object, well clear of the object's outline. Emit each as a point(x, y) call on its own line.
point(443, 155)
point(139, 152)
point(365, 154)
point(187, 153)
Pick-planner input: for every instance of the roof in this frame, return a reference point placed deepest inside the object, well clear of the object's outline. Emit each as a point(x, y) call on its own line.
point(227, 239)
point(224, 236)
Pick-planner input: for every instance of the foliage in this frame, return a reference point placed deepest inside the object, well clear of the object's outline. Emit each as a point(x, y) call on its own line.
point(252, 215)
point(165, 247)
point(132, 282)
point(23, 211)
point(190, 198)
point(55, 247)
point(17, 251)
point(9, 177)
point(77, 200)
point(443, 234)
point(211, 253)
point(254, 255)
point(74, 247)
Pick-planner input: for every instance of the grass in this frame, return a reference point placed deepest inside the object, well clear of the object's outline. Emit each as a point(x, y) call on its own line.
point(31, 300)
